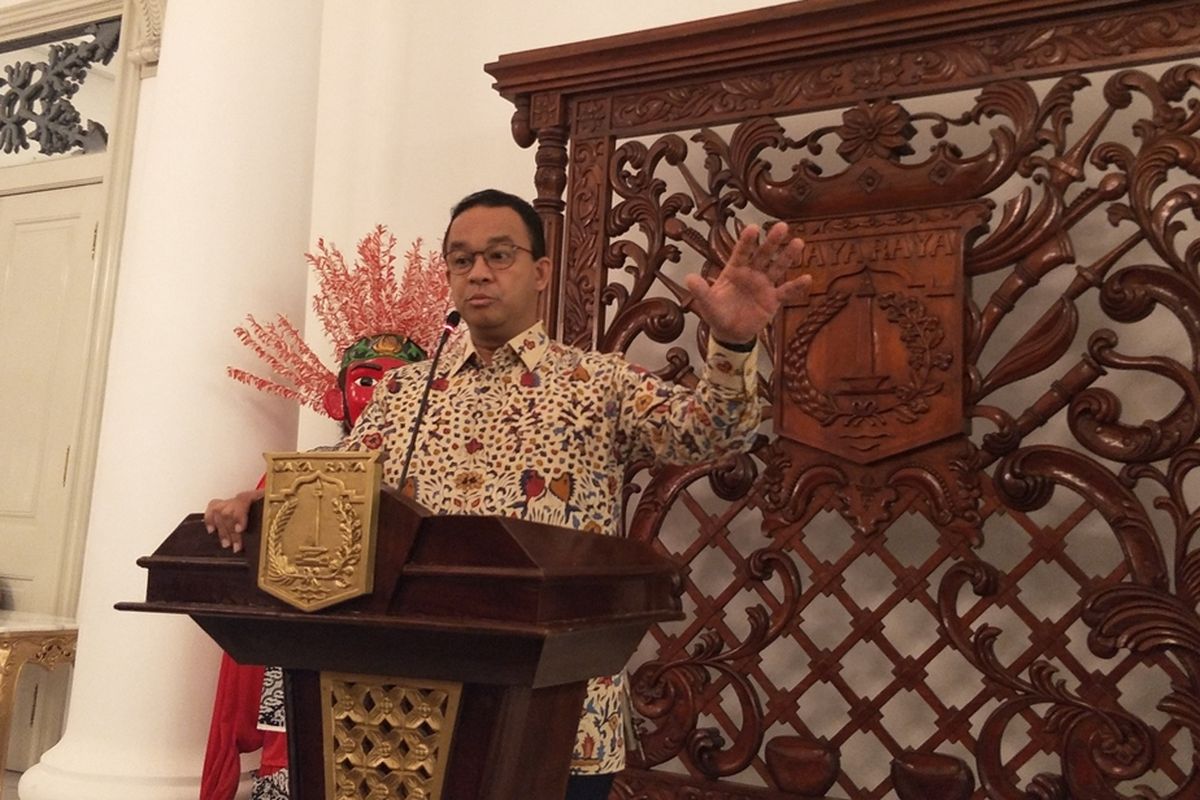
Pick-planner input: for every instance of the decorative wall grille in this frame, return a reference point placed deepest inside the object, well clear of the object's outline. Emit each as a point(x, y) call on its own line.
point(36, 96)
point(959, 563)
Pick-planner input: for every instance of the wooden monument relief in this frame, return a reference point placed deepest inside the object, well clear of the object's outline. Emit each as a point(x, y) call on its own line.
point(960, 562)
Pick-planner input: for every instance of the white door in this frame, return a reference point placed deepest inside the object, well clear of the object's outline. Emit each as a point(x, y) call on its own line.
point(46, 287)
point(46, 274)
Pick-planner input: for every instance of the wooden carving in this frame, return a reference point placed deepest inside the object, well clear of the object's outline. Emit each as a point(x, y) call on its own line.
point(960, 561)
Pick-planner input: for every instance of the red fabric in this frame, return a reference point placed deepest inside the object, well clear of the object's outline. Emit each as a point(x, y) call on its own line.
point(234, 729)
point(274, 756)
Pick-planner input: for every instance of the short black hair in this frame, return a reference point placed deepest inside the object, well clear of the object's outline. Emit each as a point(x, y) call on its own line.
point(494, 198)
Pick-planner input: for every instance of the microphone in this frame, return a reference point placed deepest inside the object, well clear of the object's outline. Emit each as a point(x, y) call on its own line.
point(452, 320)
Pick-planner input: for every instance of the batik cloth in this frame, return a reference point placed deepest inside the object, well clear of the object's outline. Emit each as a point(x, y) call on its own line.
point(544, 433)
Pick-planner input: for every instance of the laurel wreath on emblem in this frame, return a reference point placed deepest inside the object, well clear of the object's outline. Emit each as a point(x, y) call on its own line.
point(312, 583)
point(920, 331)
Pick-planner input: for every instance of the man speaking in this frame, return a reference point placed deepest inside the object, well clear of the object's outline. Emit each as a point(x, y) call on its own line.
point(518, 425)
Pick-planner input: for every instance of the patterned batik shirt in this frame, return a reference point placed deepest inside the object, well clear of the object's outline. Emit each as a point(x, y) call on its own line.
point(544, 433)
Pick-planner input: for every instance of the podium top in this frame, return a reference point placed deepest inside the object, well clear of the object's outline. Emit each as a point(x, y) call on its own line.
point(538, 603)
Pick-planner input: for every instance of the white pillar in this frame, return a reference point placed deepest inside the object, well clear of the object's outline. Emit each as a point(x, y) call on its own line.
point(217, 228)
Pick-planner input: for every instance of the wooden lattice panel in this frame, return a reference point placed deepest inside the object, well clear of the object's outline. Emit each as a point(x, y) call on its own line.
point(959, 563)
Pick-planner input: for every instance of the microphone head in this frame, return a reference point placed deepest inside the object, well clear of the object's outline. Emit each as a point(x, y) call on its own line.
point(452, 320)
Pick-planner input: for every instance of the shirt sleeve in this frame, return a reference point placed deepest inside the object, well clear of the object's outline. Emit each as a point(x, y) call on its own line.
point(674, 424)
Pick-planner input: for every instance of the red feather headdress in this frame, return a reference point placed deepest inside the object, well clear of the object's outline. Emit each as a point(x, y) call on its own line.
point(352, 304)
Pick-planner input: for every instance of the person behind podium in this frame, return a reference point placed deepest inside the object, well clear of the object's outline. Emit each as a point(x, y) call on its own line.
point(519, 425)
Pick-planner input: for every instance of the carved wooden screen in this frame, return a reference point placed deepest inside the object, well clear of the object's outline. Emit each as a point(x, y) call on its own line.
point(959, 563)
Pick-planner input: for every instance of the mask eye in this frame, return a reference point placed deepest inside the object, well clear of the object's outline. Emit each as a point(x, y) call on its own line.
point(366, 381)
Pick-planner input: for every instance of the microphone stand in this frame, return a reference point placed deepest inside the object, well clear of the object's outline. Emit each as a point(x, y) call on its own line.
point(452, 320)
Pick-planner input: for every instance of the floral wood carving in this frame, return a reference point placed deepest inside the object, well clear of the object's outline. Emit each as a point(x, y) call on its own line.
point(1053, 482)
point(35, 98)
point(901, 70)
point(900, 271)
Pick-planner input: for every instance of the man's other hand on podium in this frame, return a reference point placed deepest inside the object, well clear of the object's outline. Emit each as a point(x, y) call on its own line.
point(227, 517)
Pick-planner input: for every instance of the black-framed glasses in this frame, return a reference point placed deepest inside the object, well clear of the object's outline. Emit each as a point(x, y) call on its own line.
point(496, 256)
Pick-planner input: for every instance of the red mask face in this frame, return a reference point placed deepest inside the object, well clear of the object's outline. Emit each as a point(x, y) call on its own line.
point(361, 379)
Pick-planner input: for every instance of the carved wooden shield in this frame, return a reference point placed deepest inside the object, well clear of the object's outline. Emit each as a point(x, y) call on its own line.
point(319, 521)
point(871, 361)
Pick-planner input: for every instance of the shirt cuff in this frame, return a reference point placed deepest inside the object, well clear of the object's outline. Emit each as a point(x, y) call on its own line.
point(732, 369)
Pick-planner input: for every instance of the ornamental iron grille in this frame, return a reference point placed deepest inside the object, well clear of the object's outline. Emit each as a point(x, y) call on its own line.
point(957, 564)
point(35, 97)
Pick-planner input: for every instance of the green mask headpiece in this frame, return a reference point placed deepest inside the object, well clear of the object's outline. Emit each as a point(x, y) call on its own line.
point(385, 345)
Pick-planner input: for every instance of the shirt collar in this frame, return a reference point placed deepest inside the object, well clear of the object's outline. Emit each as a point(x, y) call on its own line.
point(529, 346)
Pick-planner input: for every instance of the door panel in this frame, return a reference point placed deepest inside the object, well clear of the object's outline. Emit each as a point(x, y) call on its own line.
point(46, 241)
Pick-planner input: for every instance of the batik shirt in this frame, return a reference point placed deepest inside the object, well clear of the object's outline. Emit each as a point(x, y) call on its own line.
point(544, 433)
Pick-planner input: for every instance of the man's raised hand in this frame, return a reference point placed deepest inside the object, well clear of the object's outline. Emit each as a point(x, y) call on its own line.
point(750, 289)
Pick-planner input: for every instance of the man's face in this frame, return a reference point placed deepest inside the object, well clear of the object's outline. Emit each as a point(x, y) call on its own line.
point(496, 304)
point(361, 379)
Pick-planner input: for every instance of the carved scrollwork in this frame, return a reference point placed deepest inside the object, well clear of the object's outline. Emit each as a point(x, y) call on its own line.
point(1027, 478)
point(585, 238)
point(871, 74)
point(731, 480)
point(943, 478)
point(1102, 746)
point(46, 649)
point(1071, 207)
point(668, 693)
point(1095, 412)
point(632, 177)
point(874, 138)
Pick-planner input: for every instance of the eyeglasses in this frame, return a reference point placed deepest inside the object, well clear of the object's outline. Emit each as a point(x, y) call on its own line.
point(497, 256)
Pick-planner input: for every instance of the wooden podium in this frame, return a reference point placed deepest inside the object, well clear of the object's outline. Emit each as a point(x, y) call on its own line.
point(460, 675)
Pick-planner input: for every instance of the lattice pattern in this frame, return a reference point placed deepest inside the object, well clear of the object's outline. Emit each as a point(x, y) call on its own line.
point(388, 739)
point(998, 600)
point(1071, 664)
point(862, 664)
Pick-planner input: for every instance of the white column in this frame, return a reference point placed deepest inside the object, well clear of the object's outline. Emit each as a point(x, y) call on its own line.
point(217, 228)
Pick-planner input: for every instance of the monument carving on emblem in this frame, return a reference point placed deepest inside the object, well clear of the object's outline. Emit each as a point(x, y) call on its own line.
point(319, 521)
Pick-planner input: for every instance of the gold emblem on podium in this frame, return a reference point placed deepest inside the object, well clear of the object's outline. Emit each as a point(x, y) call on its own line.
point(319, 517)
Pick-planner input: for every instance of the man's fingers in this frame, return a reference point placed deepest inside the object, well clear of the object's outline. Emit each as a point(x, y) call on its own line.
point(768, 251)
point(795, 290)
point(745, 247)
point(775, 253)
point(786, 258)
point(698, 287)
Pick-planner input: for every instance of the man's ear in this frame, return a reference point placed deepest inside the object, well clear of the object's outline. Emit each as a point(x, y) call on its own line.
point(332, 403)
point(544, 267)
